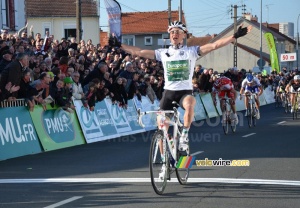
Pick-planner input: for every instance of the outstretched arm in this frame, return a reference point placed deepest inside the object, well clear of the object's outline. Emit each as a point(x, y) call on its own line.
point(224, 41)
point(138, 51)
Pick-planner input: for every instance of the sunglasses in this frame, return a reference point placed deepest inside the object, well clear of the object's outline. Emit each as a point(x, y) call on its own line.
point(176, 32)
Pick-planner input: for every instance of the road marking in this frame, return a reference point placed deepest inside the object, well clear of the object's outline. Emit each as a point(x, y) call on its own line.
point(64, 202)
point(147, 180)
point(281, 122)
point(249, 135)
point(197, 153)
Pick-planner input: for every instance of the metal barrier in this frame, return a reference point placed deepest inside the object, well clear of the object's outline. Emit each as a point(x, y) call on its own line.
point(15, 103)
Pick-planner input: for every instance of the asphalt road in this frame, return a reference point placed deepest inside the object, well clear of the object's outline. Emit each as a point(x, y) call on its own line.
point(115, 173)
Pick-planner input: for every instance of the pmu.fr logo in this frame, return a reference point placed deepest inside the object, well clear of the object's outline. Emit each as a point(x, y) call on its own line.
point(58, 125)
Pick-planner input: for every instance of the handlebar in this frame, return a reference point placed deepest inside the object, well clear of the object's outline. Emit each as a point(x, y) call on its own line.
point(141, 114)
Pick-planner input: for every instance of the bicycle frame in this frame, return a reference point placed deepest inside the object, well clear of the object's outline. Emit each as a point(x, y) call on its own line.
point(163, 119)
point(226, 111)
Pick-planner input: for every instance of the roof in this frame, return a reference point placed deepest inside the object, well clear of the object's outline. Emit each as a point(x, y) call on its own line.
point(155, 22)
point(251, 42)
point(59, 8)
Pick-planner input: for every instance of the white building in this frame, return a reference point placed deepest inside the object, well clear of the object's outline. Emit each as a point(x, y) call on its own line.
point(287, 29)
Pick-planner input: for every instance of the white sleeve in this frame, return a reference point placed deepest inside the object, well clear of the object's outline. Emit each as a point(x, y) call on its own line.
point(257, 81)
point(244, 83)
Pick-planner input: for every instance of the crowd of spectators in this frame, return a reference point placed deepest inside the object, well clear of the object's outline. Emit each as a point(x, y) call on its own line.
point(45, 70)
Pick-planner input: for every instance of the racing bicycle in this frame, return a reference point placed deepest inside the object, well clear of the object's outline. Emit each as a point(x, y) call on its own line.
point(226, 119)
point(251, 108)
point(296, 105)
point(164, 154)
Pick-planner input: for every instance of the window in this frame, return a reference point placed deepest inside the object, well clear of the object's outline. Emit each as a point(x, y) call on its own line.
point(47, 28)
point(128, 40)
point(69, 33)
point(148, 40)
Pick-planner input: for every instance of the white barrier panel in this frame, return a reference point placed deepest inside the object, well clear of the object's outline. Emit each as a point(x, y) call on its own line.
point(262, 100)
point(145, 105)
point(209, 105)
point(120, 118)
point(269, 95)
point(199, 109)
point(96, 125)
point(239, 104)
point(218, 107)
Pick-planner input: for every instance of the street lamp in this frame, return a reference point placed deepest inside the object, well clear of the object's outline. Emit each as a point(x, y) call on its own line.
point(297, 46)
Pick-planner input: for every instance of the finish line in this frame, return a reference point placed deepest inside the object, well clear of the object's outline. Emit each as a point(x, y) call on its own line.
point(147, 180)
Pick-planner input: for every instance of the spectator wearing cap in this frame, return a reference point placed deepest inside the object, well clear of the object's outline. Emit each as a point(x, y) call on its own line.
point(63, 94)
point(6, 59)
point(13, 72)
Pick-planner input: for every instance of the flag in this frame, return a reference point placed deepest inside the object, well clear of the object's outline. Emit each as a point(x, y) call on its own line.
point(113, 9)
point(273, 52)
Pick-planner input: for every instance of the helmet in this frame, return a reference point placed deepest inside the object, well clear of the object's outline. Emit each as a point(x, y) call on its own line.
point(249, 78)
point(297, 77)
point(177, 24)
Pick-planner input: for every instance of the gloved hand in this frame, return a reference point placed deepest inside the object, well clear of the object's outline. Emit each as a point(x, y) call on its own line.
point(240, 32)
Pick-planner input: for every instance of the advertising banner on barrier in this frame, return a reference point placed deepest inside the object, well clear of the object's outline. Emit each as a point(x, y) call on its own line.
point(145, 105)
point(239, 103)
point(17, 133)
point(269, 95)
point(262, 100)
point(209, 105)
point(120, 119)
point(218, 107)
point(131, 115)
point(199, 109)
point(96, 125)
point(56, 128)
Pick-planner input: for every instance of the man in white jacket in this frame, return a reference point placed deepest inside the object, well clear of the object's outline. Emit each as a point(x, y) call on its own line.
point(77, 90)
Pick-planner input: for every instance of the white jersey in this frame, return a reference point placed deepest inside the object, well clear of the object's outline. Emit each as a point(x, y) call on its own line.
point(178, 66)
point(255, 83)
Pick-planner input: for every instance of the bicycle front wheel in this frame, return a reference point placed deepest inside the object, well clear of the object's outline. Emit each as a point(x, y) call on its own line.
point(182, 174)
point(156, 163)
point(249, 115)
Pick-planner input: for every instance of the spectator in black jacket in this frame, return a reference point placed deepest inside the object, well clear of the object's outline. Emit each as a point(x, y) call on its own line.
point(119, 93)
point(96, 73)
point(203, 81)
point(13, 73)
point(6, 59)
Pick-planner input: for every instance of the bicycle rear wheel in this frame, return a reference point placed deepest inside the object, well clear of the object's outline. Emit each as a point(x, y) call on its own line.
point(225, 124)
point(156, 162)
point(182, 174)
point(287, 108)
point(233, 126)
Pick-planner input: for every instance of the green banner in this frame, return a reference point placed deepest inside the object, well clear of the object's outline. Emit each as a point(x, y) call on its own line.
point(56, 128)
point(273, 52)
point(17, 133)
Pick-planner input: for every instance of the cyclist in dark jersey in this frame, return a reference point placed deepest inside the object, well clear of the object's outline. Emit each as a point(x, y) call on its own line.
point(293, 87)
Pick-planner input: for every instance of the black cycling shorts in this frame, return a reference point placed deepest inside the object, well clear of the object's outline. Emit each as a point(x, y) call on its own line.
point(169, 96)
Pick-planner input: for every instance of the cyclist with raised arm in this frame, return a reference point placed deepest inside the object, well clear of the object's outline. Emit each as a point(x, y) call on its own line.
point(252, 84)
point(179, 62)
point(292, 87)
point(223, 87)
